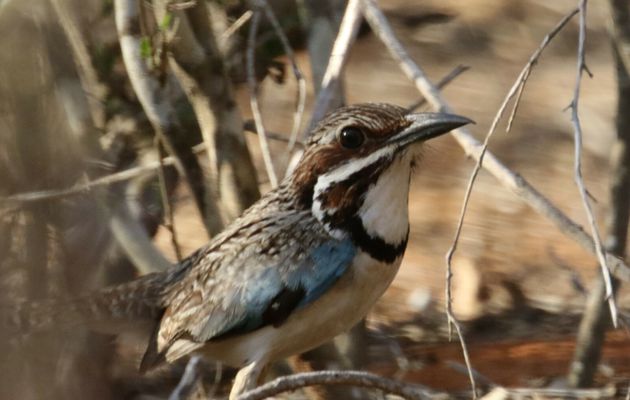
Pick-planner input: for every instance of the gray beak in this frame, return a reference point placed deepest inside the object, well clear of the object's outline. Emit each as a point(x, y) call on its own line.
point(425, 126)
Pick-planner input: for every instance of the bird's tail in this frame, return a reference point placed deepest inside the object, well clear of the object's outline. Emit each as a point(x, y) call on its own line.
point(109, 310)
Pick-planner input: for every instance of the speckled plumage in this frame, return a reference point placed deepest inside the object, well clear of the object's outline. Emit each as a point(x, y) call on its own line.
point(303, 264)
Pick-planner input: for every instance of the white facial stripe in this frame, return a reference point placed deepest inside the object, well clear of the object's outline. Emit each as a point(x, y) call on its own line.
point(325, 181)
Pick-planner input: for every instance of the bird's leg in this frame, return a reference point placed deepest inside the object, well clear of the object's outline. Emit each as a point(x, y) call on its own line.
point(248, 378)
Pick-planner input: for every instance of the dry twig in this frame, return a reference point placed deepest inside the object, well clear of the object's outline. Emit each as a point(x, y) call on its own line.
point(198, 65)
point(515, 90)
point(349, 378)
point(595, 320)
point(338, 57)
point(130, 173)
point(232, 29)
point(155, 102)
point(299, 77)
point(379, 24)
point(186, 384)
point(253, 98)
point(493, 165)
point(579, 181)
point(169, 215)
point(448, 78)
point(93, 88)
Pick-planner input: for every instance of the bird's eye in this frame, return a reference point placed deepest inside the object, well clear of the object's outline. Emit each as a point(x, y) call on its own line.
point(351, 137)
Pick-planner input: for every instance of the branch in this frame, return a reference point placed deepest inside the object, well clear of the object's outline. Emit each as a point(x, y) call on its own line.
point(186, 384)
point(95, 91)
point(579, 181)
point(130, 235)
point(169, 214)
point(515, 90)
point(379, 24)
point(493, 165)
point(338, 57)
point(351, 378)
point(253, 98)
point(130, 173)
point(156, 104)
point(451, 76)
point(595, 320)
point(198, 65)
point(299, 77)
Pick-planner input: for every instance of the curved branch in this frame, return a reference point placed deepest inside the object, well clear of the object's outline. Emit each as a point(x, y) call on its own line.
point(159, 109)
point(348, 378)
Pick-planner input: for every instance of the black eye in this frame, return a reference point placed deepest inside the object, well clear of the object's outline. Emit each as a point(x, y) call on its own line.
point(351, 137)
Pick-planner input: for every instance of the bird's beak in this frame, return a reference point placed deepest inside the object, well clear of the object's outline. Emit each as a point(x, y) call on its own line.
point(425, 126)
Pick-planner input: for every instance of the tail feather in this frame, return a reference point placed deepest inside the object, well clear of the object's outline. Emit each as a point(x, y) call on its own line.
point(110, 310)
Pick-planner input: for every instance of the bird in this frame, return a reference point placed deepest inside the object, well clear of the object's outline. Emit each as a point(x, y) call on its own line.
point(303, 264)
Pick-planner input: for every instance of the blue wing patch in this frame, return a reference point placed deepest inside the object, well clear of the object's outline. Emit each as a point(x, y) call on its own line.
point(272, 299)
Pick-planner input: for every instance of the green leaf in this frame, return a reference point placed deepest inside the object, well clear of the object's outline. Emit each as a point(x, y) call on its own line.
point(166, 21)
point(145, 47)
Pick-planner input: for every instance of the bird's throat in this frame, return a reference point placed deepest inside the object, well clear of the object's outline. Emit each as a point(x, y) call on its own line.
point(371, 209)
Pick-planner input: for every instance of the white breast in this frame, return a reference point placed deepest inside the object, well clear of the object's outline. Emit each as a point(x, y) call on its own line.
point(385, 211)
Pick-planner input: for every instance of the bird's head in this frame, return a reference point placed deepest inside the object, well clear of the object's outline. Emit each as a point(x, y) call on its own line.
point(354, 174)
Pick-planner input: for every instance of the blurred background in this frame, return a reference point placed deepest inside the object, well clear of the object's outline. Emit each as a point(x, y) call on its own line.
point(520, 285)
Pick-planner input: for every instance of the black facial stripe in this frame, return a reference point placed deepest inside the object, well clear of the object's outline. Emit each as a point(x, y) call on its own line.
point(375, 246)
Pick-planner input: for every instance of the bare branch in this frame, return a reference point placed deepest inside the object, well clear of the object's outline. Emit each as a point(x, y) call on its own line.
point(515, 90)
point(351, 378)
point(253, 98)
point(338, 57)
point(186, 384)
point(135, 242)
point(93, 88)
point(451, 76)
point(198, 65)
point(579, 181)
point(157, 106)
point(130, 235)
point(504, 175)
point(595, 321)
point(299, 77)
point(379, 24)
point(169, 215)
point(148, 168)
point(238, 24)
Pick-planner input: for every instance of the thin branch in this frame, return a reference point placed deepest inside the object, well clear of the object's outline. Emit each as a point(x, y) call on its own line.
point(349, 378)
point(338, 57)
point(155, 103)
point(148, 168)
point(451, 76)
point(299, 77)
point(579, 181)
point(595, 320)
point(493, 165)
point(238, 24)
point(198, 65)
point(515, 90)
point(253, 98)
point(379, 24)
point(169, 215)
point(186, 384)
point(93, 88)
